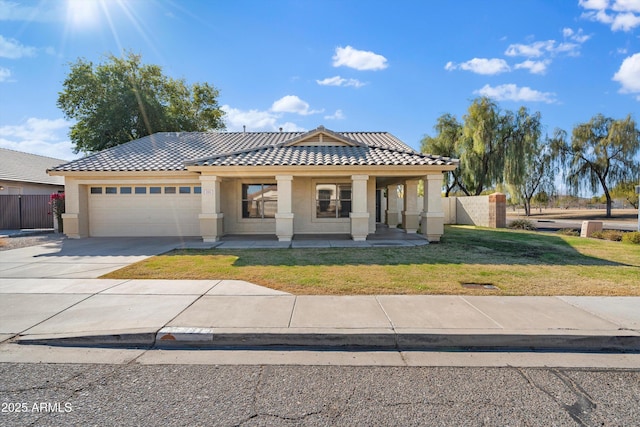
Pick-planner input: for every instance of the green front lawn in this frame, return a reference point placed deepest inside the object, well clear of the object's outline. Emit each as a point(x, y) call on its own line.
point(518, 263)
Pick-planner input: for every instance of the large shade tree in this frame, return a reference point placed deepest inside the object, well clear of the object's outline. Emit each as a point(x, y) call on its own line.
point(122, 99)
point(494, 147)
point(601, 153)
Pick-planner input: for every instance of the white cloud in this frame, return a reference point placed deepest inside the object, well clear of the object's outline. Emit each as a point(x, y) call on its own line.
point(481, 66)
point(291, 127)
point(621, 15)
point(594, 4)
point(5, 74)
point(12, 49)
point(629, 74)
point(532, 50)
point(292, 104)
point(12, 11)
point(338, 115)
point(340, 81)
point(626, 6)
point(254, 120)
point(39, 136)
point(511, 92)
point(534, 67)
point(358, 59)
point(625, 22)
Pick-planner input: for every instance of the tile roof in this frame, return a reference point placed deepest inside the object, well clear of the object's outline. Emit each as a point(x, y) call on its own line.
point(25, 167)
point(173, 151)
point(322, 156)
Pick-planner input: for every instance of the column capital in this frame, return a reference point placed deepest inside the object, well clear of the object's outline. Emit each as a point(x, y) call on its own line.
point(210, 178)
point(359, 177)
point(433, 176)
point(284, 177)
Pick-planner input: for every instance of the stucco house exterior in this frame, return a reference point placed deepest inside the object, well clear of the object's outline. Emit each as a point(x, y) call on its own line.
point(211, 184)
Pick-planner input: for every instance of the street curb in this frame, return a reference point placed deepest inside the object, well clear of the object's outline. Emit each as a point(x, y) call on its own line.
point(126, 340)
point(209, 338)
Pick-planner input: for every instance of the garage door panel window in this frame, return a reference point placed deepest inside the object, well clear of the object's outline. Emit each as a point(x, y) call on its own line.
point(185, 189)
point(259, 201)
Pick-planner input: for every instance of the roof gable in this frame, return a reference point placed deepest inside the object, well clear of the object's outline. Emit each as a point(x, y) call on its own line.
point(322, 136)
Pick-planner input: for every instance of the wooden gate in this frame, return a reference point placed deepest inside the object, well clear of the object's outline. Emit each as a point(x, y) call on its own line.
point(25, 211)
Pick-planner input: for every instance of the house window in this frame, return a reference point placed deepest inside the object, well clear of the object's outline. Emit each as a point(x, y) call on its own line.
point(333, 200)
point(197, 190)
point(155, 190)
point(169, 190)
point(96, 190)
point(125, 190)
point(141, 190)
point(259, 200)
point(185, 190)
point(111, 190)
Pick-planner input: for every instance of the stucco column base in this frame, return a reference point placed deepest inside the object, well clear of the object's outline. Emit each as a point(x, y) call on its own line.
point(410, 222)
point(71, 225)
point(393, 218)
point(433, 225)
point(211, 226)
point(359, 225)
point(284, 226)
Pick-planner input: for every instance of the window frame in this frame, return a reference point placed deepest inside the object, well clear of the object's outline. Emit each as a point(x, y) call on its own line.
point(261, 202)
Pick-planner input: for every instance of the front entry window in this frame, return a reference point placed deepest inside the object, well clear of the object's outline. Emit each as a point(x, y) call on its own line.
point(333, 200)
point(259, 200)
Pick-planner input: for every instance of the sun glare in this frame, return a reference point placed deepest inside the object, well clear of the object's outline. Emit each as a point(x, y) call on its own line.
point(83, 13)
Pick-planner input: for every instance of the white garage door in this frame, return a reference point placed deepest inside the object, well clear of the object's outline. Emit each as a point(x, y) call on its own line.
point(151, 210)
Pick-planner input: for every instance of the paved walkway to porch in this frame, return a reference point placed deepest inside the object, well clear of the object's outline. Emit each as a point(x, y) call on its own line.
point(383, 237)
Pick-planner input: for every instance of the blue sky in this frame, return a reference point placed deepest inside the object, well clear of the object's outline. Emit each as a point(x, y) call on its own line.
point(350, 65)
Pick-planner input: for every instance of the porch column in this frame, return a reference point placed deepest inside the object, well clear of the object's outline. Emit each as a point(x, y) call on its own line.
point(75, 220)
point(359, 215)
point(392, 206)
point(411, 214)
point(284, 216)
point(433, 214)
point(211, 217)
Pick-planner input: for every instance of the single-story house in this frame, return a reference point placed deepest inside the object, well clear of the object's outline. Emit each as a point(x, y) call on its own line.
point(26, 174)
point(25, 189)
point(211, 184)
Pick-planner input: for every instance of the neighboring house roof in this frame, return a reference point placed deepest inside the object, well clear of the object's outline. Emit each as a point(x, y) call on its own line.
point(171, 151)
point(25, 167)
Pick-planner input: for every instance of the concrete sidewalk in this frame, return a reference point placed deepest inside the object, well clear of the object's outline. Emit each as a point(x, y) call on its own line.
point(227, 313)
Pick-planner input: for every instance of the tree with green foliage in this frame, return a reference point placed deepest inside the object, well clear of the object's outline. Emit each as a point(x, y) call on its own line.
point(122, 99)
point(602, 153)
point(494, 147)
point(626, 190)
point(449, 132)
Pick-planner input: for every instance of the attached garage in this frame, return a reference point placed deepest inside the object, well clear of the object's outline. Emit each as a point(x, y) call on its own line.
point(144, 210)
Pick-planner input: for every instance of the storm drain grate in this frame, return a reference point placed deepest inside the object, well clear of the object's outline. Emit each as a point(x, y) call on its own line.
point(489, 286)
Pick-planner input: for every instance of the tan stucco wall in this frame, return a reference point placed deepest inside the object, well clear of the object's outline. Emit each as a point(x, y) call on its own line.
point(25, 188)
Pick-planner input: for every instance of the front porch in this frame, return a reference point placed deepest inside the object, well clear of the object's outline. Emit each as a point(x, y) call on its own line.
point(383, 237)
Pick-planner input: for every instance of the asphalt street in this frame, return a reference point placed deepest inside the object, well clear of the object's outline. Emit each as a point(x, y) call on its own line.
point(180, 395)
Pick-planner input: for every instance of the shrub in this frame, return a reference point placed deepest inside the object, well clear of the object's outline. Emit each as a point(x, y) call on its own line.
point(522, 224)
point(633, 237)
point(613, 235)
point(569, 232)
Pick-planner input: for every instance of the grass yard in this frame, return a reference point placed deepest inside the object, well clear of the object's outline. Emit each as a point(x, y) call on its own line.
point(516, 262)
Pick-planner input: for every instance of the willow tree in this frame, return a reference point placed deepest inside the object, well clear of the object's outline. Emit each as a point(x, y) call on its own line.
point(448, 134)
point(123, 99)
point(602, 153)
point(495, 147)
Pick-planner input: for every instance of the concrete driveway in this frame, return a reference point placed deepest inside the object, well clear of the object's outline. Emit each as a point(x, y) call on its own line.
point(82, 258)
